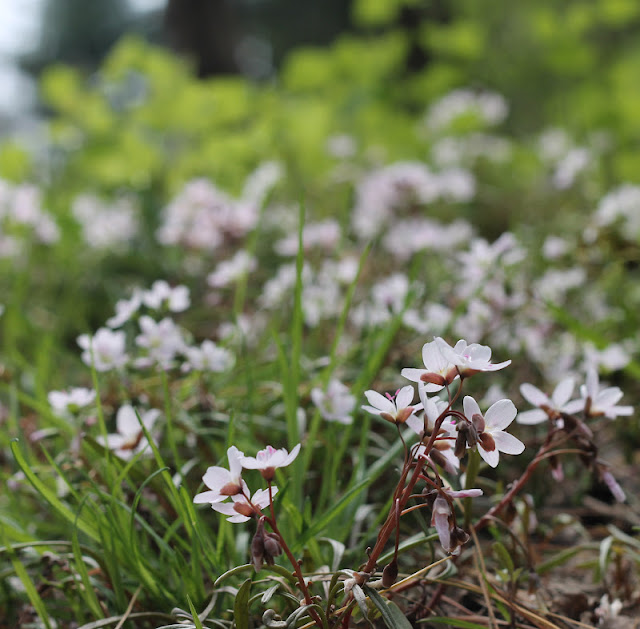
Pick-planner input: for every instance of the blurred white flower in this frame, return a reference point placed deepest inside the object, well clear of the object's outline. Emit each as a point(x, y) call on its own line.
point(231, 270)
point(336, 404)
point(105, 349)
point(129, 438)
point(208, 357)
point(161, 295)
point(162, 340)
point(68, 403)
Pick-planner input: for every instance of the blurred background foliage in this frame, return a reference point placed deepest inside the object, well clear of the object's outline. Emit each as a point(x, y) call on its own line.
point(275, 79)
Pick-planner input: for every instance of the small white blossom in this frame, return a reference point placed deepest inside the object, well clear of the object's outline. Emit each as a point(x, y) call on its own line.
point(125, 309)
point(162, 340)
point(269, 459)
point(548, 408)
point(396, 409)
point(336, 404)
point(105, 349)
point(491, 438)
point(129, 438)
point(161, 295)
point(208, 357)
point(232, 270)
point(69, 402)
point(240, 509)
point(599, 402)
point(223, 482)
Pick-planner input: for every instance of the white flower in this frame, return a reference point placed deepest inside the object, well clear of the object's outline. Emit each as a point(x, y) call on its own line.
point(231, 270)
point(129, 438)
point(162, 340)
point(491, 438)
point(438, 371)
point(325, 235)
point(208, 357)
point(125, 309)
point(223, 482)
point(162, 295)
point(69, 402)
point(269, 459)
point(105, 349)
point(241, 509)
point(469, 359)
point(548, 408)
point(396, 409)
point(336, 404)
point(598, 402)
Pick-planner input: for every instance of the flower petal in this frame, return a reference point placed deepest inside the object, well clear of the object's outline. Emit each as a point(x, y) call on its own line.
point(529, 418)
point(533, 395)
point(405, 397)
point(507, 443)
point(470, 407)
point(500, 415)
point(562, 393)
point(380, 402)
point(491, 458)
point(412, 374)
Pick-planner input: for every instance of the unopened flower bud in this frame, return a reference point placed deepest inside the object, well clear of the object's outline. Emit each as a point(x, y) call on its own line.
point(390, 574)
point(478, 422)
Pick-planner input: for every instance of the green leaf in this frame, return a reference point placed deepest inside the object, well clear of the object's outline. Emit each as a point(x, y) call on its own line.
point(503, 557)
point(391, 614)
point(194, 614)
point(50, 496)
point(453, 622)
point(241, 606)
point(29, 587)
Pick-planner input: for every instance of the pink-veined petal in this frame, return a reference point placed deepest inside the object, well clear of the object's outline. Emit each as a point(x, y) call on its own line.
point(507, 443)
point(500, 415)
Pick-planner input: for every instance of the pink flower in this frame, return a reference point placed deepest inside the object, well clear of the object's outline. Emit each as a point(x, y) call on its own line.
point(396, 409)
point(240, 509)
point(223, 483)
point(269, 459)
point(469, 359)
point(488, 429)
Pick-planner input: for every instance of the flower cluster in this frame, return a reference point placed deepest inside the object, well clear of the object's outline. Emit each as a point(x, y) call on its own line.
point(228, 483)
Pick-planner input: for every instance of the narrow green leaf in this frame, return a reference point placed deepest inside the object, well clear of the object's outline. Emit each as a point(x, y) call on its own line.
point(503, 557)
point(230, 573)
point(29, 587)
point(241, 606)
point(49, 495)
point(391, 614)
point(194, 614)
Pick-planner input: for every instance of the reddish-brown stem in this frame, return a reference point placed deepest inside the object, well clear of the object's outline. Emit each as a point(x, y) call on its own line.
point(294, 562)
